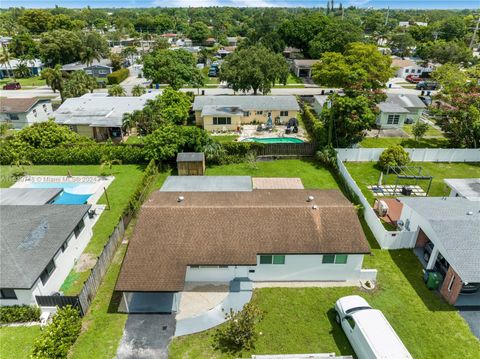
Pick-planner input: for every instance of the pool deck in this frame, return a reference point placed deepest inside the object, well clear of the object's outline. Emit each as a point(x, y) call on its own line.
point(250, 131)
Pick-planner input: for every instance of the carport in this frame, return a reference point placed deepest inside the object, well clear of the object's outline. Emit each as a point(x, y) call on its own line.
point(150, 302)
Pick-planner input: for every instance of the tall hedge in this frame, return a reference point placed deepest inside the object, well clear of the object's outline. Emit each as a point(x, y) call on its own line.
point(19, 314)
point(118, 76)
point(314, 126)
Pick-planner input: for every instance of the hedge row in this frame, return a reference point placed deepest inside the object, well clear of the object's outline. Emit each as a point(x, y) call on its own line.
point(19, 314)
point(118, 76)
point(313, 125)
point(136, 198)
point(75, 154)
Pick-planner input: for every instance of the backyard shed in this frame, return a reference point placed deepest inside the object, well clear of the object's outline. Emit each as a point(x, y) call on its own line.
point(191, 164)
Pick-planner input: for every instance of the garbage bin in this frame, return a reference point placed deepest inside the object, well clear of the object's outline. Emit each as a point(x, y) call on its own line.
point(406, 191)
point(432, 279)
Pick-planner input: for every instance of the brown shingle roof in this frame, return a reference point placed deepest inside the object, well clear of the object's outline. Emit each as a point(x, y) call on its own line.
point(231, 228)
point(17, 105)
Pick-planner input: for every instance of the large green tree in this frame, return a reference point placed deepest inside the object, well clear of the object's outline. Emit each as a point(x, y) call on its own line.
point(401, 43)
point(35, 20)
point(54, 78)
point(299, 30)
point(176, 68)
point(361, 67)
point(60, 47)
point(23, 44)
point(442, 51)
point(255, 68)
point(94, 47)
point(174, 106)
point(198, 32)
point(451, 77)
point(78, 84)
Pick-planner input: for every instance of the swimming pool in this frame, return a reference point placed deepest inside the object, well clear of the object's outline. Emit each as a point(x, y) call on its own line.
point(73, 192)
point(273, 140)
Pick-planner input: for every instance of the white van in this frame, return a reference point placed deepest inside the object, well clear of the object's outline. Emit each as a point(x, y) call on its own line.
point(367, 329)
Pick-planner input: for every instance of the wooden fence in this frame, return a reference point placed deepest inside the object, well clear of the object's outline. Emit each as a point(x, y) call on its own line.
point(287, 149)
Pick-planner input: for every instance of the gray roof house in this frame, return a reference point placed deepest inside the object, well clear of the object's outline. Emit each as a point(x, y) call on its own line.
point(397, 108)
point(97, 115)
point(97, 68)
point(33, 244)
point(464, 187)
point(247, 102)
point(452, 224)
point(28, 196)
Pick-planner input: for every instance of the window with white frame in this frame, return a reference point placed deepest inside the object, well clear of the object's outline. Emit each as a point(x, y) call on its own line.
point(393, 119)
point(102, 72)
point(7, 293)
point(222, 121)
point(283, 113)
point(259, 112)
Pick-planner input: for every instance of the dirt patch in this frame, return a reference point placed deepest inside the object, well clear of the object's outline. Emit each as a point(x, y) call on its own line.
point(85, 262)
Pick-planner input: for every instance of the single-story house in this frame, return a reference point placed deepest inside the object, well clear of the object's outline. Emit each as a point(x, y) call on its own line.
point(232, 40)
point(302, 67)
point(210, 41)
point(97, 115)
point(292, 52)
point(230, 112)
point(452, 225)
point(411, 23)
point(39, 247)
point(6, 69)
point(97, 68)
point(23, 112)
point(464, 187)
point(405, 67)
point(28, 196)
point(397, 108)
point(183, 42)
point(280, 235)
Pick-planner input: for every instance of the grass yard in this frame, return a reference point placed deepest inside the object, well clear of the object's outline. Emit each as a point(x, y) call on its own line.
point(384, 142)
point(225, 138)
point(17, 342)
point(432, 131)
point(312, 174)
point(367, 174)
point(28, 82)
point(301, 320)
point(126, 179)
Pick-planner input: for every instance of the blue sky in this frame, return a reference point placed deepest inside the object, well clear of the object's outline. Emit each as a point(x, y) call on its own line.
point(398, 4)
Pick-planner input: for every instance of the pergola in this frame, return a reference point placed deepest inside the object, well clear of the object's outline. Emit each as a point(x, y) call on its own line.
point(409, 172)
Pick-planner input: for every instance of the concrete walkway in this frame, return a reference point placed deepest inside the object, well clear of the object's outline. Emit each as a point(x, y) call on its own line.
point(240, 294)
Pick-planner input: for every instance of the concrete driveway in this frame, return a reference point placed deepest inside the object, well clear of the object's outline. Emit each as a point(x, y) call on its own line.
point(472, 317)
point(146, 336)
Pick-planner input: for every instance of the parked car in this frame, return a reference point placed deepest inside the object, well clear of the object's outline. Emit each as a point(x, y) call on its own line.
point(427, 85)
point(212, 72)
point(368, 331)
point(12, 86)
point(413, 79)
point(441, 265)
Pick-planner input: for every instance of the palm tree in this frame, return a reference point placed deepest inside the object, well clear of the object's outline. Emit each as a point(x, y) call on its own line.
point(116, 90)
point(129, 121)
point(138, 90)
point(54, 79)
point(22, 70)
point(5, 60)
point(107, 163)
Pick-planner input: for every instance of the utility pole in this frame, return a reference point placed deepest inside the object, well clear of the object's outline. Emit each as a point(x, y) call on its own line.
point(472, 42)
point(388, 14)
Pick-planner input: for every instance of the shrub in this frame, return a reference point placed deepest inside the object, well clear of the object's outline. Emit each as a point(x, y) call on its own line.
point(136, 199)
point(239, 331)
point(118, 76)
point(394, 156)
point(419, 129)
point(59, 335)
point(19, 314)
point(314, 126)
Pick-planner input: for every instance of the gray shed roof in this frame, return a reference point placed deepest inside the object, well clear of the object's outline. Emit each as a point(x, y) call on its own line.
point(75, 66)
point(388, 107)
point(30, 236)
point(28, 196)
point(221, 110)
point(190, 157)
point(465, 187)
point(247, 102)
point(405, 100)
point(207, 184)
point(457, 231)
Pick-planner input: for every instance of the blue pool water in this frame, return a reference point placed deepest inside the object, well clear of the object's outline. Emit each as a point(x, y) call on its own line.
point(70, 198)
point(73, 192)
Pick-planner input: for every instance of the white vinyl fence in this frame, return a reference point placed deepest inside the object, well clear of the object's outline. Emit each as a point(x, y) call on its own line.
point(416, 154)
point(395, 239)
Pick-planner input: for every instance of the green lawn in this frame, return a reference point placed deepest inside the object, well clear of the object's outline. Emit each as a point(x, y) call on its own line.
point(17, 342)
point(432, 131)
point(225, 138)
point(367, 173)
point(384, 142)
point(312, 175)
point(126, 179)
point(28, 82)
point(301, 320)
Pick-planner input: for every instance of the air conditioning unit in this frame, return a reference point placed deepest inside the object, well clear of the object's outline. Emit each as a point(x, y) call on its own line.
point(382, 208)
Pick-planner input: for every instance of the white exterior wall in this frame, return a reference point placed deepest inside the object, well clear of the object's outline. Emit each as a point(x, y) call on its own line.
point(29, 118)
point(412, 70)
point(298, 267)
point(64, 262)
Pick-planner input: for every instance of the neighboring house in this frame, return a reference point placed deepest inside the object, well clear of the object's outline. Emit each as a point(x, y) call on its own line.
point(97, 68)
point(210, 41)
point(230, 112)
point(232, 41)
point(184, 42)
point(292, 52)
point(464, 187)
point(28, 196)
point(397, 108)
point(282, 235)
point(97, 115)
point(405, 67)
point(412, 23)
point(452, 225)
point(39, 247)
point(23, 112)
point(303, 68)
point(35, 66)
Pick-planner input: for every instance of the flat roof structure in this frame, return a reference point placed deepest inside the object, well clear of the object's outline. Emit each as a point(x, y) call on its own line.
point(246, 102)
point(207, 184)
point(30, 236)
point(232, 228)
point(465, 187)
point(190, 157)
point(28, 196)
point(456, 223)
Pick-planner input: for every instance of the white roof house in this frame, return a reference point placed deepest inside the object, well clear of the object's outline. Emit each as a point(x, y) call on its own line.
point(406, 101)
point(13, 64)
point(257, 103)
point(464, 187)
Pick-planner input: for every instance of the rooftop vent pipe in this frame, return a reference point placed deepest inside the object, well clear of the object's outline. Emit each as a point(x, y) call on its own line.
point(180, 199)
point(310, 198)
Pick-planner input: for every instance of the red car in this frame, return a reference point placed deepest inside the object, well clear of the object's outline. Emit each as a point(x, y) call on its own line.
point(12, 86)
point(413, 79)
